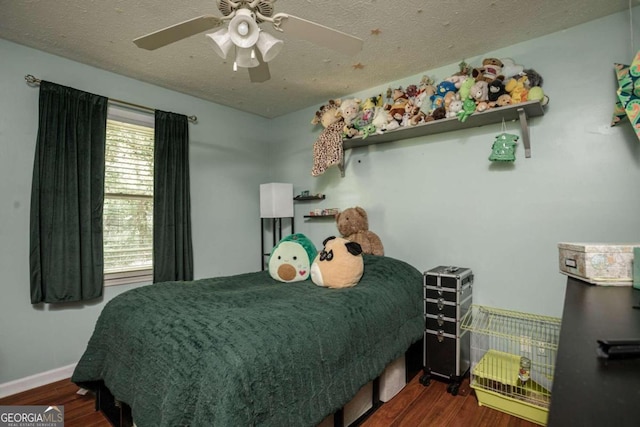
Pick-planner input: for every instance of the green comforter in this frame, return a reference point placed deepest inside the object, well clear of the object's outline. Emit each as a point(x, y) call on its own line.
point(248, 350)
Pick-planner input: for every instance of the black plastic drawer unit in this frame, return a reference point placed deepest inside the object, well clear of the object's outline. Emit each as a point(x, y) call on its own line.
point(447, 297)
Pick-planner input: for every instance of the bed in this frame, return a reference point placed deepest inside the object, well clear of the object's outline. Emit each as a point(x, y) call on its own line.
point(249, 350)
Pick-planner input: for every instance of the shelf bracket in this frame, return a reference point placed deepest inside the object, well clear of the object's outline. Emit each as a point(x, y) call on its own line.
point(525, 132)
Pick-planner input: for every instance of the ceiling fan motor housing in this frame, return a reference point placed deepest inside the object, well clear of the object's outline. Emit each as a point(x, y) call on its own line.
point(263, 7)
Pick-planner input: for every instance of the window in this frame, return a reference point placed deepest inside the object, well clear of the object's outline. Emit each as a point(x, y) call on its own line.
point(128, 199)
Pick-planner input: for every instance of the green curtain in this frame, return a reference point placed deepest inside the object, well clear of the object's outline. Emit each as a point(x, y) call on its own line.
point(172, 248)
point(66, 254)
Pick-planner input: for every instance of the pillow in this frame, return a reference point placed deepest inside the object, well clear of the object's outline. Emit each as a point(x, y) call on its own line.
point(291, 258)
point(339, 264)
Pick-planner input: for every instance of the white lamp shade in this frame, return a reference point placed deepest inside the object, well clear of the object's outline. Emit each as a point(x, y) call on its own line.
point(221, 42)
point(269, 46)
point(246, 58)
point(243, 29)
point(276, 200)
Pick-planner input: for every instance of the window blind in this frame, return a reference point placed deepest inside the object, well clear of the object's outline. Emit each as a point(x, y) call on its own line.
point(128, 204)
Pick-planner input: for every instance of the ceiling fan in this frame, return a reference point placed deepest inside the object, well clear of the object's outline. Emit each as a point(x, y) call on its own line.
point(252, 47)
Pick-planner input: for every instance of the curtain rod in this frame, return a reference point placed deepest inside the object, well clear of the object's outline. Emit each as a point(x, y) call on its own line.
point(35, 81)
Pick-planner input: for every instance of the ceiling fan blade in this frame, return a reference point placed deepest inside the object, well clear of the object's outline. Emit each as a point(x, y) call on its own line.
point(318, 34)
point(177, 32)
point(260, 73)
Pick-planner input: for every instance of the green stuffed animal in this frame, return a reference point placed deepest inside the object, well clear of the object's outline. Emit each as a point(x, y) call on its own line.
point(291, 258)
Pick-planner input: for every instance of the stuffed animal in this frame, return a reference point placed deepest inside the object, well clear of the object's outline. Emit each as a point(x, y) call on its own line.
point(510, 68)
point(349, 110)
point(480, 91)
point(437, 99)
point(502, 101)
point(426, 91)
point(397, 110)
point(468, 108)
point(327, 150)
point(420, 108)
point(482, 106)
point(381, 120)
point(416, 115)
point(534, 85)
point(457, 79)
point(496, 88)
point(368, 109)
point(455, 107)
point(533, 78)
point(291, 258)
point(517, 89)
point(491, 69)
point(353, 225)
point(537, 94)
point(437, 114)
point(465, 88)
point(338, 265)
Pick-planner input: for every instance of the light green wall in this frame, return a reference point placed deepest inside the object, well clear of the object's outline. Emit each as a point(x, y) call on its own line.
point(434, 200)
point(227, 165)
point(437, 200)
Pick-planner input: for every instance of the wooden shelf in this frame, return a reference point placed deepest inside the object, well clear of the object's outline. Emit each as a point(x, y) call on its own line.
point(320, 216)
point(306, 198)
point(520, 112)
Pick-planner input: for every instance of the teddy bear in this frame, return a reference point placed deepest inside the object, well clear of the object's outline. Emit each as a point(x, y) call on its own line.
point(353, 225)
point(480, 91)
point(490, 70)
point(328, 150)
point(398, 108)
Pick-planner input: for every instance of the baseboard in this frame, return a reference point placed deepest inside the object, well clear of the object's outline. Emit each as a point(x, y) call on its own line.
point(37, 380)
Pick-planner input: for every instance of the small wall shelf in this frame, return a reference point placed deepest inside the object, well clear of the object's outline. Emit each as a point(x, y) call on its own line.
point(519, 112)
point(307, 198)
point(320, 216)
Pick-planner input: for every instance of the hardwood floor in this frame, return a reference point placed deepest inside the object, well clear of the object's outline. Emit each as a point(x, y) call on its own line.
point(419, 406)
point(79, 411)
point(414, 406)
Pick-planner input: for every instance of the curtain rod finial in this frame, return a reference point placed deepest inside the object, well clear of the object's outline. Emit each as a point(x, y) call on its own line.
point(31, 79)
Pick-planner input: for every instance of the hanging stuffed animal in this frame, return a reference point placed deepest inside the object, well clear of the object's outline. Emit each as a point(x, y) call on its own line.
point(327, 150)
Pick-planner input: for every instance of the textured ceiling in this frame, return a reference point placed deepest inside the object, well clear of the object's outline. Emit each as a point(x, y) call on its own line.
point(401, 38)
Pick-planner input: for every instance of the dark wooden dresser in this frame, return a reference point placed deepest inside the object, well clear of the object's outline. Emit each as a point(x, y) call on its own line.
point(587, 390)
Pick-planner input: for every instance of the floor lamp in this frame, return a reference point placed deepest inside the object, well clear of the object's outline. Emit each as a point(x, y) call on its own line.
point(276, 202)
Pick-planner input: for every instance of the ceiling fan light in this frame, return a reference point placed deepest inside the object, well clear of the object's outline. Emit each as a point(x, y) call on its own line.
point(269, 46)
point(245, 59)
point(243, 29)
point(221, 42)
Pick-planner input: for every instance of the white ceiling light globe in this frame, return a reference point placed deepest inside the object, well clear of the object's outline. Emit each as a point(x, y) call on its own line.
point(243, 28)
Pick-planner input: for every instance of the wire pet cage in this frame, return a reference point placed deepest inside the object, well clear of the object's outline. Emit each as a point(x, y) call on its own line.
point(512, 360)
